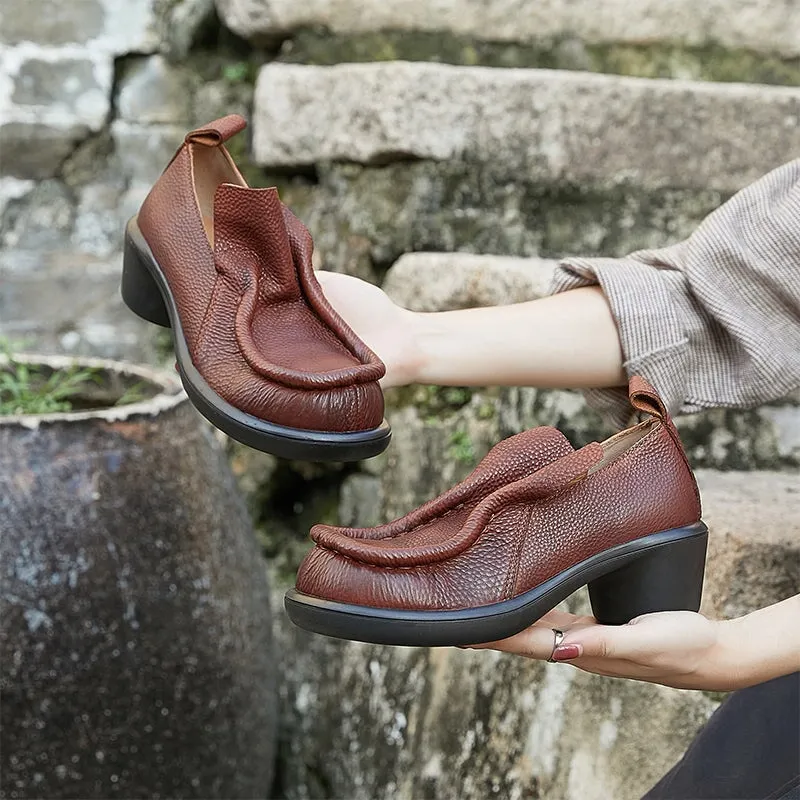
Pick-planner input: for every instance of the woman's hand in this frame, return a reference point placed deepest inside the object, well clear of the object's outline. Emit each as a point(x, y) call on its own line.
point(674, 648)
point(383, 326)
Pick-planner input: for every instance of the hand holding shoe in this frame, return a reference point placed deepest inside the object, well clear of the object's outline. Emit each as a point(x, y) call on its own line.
point(385, 327)
point(675, 648)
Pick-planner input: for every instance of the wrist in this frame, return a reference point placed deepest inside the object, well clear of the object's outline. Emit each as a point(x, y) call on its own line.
point(407, 367)
point(740, 658)
point(730, 662)
point(423, 354)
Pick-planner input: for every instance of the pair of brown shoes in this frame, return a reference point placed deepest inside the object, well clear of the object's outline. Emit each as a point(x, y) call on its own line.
point(264, 357)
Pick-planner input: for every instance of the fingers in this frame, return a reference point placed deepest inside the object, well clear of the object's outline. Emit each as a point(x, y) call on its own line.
point(537, 641)
point(582, 639)
point(534, 642)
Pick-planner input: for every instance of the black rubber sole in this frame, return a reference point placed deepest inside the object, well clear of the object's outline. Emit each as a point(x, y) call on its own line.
point(145, 291)
point(660, 572)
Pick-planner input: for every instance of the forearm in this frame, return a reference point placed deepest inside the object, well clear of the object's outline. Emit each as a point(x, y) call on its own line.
point(759, 646)
point(569, 340)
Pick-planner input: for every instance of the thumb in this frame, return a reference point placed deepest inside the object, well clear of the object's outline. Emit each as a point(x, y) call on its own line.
point(598, 641)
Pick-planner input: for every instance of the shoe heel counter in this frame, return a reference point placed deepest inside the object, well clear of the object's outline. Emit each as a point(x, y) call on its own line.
point(689, 488)
point(645, 399)
point(161, 195)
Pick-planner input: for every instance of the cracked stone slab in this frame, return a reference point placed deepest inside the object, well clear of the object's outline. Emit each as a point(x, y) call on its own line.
point(552, 126)
point(768, 26)
point(34, 151)
point(49, 101)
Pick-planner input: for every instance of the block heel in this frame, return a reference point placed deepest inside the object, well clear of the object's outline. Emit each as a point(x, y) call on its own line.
point(140, 291)
point(664, 577)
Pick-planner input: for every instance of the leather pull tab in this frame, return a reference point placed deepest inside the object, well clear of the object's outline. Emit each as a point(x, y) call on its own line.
point(645, 398)
point(218, 131)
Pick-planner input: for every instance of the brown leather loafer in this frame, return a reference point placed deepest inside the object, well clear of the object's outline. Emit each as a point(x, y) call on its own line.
point(536, 521)
point(260, 351)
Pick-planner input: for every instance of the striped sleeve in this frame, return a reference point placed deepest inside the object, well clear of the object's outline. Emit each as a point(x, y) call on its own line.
point(713, 321)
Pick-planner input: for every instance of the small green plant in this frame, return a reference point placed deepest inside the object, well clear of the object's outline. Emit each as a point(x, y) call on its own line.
point(31, 389)
point(461, 448)
point(133, 394)
point(24, 389)
point(238, 72)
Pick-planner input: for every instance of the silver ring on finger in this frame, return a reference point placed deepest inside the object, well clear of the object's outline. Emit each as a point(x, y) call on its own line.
point(558, 637)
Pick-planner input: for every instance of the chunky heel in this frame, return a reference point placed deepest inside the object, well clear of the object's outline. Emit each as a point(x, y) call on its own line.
point(139, 289)
point(665, 577)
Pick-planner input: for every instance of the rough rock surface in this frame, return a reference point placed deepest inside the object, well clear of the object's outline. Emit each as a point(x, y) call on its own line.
point(364, 218)
point(447, 281)
point(363, 721)
point(70, 304)
point(768, 25)
point(550, 125)
point(754, 547)
point(57, 64)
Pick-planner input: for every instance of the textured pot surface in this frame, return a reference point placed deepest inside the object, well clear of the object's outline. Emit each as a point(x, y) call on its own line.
point(136, 641)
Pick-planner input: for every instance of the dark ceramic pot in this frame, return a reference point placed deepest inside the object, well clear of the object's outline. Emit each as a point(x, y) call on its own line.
point(135, 643)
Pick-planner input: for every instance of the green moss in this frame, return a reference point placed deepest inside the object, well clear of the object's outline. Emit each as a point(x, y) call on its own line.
point(710, 62)
point(433, 402)
point(239, 72)
point(487, 410)
point(651, 60)
point(461, 448)
point(33, 389)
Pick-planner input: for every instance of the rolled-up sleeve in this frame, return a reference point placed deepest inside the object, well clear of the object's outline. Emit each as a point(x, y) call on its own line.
point(713, 321)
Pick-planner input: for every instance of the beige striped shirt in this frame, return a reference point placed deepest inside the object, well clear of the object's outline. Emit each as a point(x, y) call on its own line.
point(713, 321)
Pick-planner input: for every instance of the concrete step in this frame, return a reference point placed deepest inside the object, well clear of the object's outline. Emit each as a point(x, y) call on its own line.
point(768, 26)
point(492, 724)
point(547, 125)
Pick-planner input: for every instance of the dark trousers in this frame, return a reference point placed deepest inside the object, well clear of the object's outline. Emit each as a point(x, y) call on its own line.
point(749, 750)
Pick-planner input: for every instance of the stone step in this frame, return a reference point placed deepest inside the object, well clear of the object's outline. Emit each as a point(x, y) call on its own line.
point(768, 26)
point(764, 437)
point(502, 725)
point(555, 127)
point(62, 302)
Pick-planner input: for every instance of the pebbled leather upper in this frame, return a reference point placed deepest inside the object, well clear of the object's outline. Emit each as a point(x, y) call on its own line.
point(525, 525)
point(257, 325)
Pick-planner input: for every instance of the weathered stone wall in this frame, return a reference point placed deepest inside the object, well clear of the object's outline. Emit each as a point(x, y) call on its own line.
point(94, 98)
point(453, 185)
